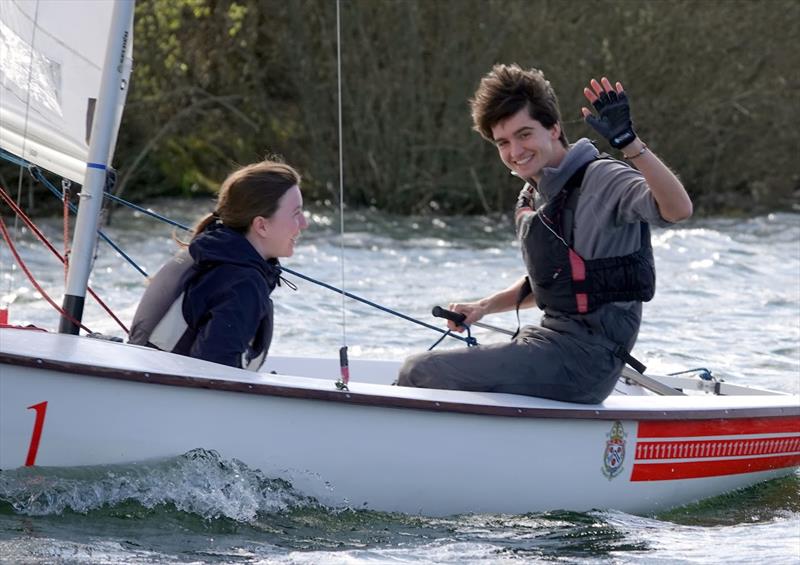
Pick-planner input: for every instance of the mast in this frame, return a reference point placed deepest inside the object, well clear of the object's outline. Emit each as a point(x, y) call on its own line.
point(112, 87)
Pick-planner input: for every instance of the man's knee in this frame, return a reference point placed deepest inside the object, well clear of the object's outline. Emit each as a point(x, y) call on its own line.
point(410, 371)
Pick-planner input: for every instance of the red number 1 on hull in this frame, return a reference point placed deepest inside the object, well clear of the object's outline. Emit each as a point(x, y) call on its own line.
point(41, 409)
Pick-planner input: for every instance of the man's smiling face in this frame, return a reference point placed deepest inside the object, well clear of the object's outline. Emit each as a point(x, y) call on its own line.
point(526, 146)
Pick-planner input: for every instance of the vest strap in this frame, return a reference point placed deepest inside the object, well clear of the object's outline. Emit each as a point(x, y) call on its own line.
point(524, 291)
point(623, 354)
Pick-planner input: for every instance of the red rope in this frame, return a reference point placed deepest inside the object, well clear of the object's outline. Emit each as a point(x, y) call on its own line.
point(35, 284)
point(38, 233)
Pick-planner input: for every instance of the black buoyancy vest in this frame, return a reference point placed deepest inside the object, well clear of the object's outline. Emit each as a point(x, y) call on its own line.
point(565, 281)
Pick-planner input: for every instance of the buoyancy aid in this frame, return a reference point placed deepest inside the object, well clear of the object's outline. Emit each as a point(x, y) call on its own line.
point(563, 280)
point(159, 321)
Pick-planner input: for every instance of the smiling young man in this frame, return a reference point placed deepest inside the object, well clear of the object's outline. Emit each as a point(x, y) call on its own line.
point(583, 222)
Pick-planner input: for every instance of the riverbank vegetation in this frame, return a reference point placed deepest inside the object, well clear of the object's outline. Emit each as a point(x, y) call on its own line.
point(713, 85)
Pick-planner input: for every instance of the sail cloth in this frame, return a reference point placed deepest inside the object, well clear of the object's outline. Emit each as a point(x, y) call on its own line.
point(51, 61)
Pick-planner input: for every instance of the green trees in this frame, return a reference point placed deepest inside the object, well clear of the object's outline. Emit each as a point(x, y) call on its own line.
point(221, 82)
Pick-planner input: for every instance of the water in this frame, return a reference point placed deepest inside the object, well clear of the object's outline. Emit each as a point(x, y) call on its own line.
point(728, 299)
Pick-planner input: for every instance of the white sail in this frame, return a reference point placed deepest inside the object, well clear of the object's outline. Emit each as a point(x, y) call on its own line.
point(51, 59)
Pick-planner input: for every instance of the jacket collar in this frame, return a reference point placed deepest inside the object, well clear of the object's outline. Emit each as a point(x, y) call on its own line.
point(554, 178)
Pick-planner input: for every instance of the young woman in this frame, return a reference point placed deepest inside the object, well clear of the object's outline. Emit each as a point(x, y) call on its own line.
point(212, 300)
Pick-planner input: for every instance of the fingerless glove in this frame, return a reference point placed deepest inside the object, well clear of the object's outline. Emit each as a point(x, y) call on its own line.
point(614, 119)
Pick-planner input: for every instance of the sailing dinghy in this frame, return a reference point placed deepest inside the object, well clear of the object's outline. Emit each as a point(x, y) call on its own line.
point(69, 400)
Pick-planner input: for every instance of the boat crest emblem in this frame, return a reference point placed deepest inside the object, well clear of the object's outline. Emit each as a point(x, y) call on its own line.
point(614, 455)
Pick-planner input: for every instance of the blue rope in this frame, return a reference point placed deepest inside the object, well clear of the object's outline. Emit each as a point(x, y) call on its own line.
point(146, 211)
point(13, 158)
point(468, 340)
point(37, 174)
point(703, 373)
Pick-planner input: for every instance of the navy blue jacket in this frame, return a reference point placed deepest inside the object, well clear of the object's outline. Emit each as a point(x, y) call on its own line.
point(227, 301)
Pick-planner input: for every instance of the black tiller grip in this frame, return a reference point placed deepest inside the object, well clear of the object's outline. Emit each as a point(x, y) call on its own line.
point(457, 317)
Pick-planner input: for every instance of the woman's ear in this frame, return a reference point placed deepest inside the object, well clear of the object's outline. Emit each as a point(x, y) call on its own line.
point(259, 225)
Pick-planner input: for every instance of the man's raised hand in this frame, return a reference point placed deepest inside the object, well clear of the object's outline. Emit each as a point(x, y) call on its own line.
point(614, 112)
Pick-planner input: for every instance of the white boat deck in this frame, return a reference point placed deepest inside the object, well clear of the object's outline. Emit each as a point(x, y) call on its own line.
point(369, 378)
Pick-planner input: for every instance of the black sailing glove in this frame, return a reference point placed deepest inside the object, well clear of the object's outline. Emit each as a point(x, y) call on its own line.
point(614, 121)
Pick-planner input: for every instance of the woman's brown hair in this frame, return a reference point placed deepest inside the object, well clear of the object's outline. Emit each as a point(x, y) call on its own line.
point(252, 191)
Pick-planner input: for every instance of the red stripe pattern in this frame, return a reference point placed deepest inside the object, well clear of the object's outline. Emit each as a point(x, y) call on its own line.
point(693, 449)
point(578, 269)
point(691, 428)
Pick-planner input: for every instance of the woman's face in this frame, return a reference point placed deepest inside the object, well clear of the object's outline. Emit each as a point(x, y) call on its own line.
point(275, 236)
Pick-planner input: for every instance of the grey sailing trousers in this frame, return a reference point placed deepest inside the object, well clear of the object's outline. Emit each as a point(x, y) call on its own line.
point(538, 362)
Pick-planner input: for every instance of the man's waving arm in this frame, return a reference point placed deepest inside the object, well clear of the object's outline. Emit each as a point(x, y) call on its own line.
point(613, 122)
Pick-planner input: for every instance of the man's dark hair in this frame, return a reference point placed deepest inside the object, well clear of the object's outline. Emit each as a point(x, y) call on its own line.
point(507, 89)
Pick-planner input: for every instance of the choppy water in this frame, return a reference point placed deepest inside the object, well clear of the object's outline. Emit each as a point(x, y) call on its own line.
point(728, 299)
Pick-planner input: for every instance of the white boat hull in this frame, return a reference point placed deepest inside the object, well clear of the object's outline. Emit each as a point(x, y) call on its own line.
point(381, 447)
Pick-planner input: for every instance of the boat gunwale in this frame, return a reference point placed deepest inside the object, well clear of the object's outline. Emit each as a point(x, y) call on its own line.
point(382, 401)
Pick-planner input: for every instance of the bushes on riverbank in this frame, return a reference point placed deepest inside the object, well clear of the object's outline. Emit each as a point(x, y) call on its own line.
point(217, 82)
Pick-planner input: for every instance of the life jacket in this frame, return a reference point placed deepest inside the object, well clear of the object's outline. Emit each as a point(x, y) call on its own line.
point(159, 321)
point(561, 279)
